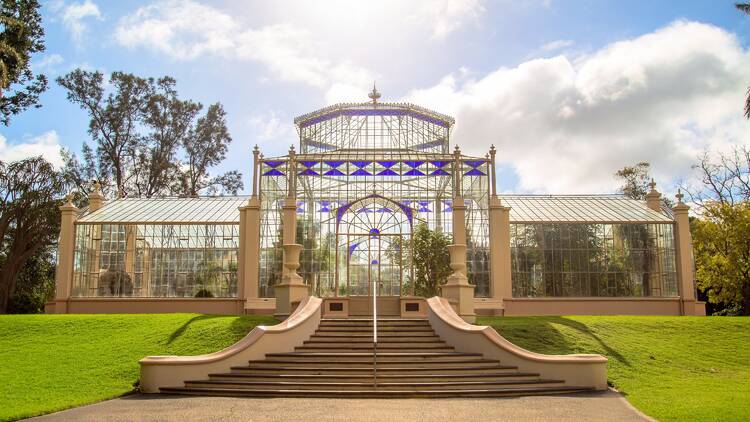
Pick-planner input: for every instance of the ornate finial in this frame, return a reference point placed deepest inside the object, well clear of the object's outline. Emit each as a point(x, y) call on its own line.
point(69, 199)
point(652, 185)
point(256, 150)
point(679, 196)
point(457, 150)
point(96, 187)
point(374, 94)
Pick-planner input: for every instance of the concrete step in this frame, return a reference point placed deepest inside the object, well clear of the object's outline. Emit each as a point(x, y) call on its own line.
point(382, 377)
point(369, 347)
point(487, 367)
point(359, 334)
point(407, 357)
point(368, 340)
point(359, 364)
point(372, 393)
point(363, 330)
point(385, 385)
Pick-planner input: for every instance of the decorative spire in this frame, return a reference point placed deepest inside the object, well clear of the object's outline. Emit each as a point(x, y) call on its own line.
point(679, 196)
point(96, 187)
point(256, 150)
point(69, 199)
point(652, 185)
point(374, 94)
point(456, 151)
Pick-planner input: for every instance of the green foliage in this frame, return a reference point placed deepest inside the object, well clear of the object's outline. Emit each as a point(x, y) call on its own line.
point(721, 242)
point(29, 217)
point(35, 285)
point(428, 251)
point(54, 362)
point(149, 142)
point(671, 368)
point(635, 180)
point(21, 36)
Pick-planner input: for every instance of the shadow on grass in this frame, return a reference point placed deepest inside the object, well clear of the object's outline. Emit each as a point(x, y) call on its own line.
point(584, 329)
point(181, 330)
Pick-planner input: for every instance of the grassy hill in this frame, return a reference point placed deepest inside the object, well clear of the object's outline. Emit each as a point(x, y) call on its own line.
point(671, 368)
point(53, 362)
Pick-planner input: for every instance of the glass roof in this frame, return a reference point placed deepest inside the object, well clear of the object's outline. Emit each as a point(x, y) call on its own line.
point(217, 210)
point(580, 209)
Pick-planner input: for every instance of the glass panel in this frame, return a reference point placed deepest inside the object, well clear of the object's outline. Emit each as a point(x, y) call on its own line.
point(580, 260)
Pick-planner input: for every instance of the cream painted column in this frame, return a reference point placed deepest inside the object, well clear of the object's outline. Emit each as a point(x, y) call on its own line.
point(653, 197)
point(66, 247)
point(684, 251)
point(249, 248)
point(457, 288)
point(291, 290)
point(501, 287)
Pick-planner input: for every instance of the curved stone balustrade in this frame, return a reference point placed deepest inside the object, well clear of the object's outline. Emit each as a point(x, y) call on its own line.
point(168, 371)
point(579, 370)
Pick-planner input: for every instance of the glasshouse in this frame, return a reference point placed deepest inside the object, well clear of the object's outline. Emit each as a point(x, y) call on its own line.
point(374, 207)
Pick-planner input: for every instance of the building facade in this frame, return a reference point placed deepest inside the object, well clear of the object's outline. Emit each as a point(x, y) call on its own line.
point(334, 218)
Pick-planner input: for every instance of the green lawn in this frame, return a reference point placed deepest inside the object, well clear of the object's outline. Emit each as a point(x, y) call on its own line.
point(53, 362)
point(671, 368)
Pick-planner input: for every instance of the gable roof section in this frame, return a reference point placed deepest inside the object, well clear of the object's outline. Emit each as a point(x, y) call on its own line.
point(580, 209)
point(214, 210)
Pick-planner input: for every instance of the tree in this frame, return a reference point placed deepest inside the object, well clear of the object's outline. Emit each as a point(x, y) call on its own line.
point(29, 217)
point(635, 180)
point(745, 8)
point(724, 178)
point(113, 125)
point(36, 283)
point(721, 242)
point(149, 140)
point(22, 35)
point(429, 255)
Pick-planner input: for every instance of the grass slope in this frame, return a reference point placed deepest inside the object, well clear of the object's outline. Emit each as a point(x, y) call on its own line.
point(671, 368)
point(53, 362)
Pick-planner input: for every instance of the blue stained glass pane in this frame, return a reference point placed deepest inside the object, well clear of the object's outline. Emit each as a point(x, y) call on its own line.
point(364, 210)
point(334, 172)
point(414, 163)
point(424, 209)
point(309, 172)
point(449, 209)
point(423, 203)
point(474, 172)
point(352, 248)
point(440, 172)
point(413, 172)
point(300, 210)
point(384, 209)
point(375, 262)
point(374, 231)
point(361, 172)
point(273, 163)
point(273, 172)
point(387, 163)
point(361, 164)
point(448, 203)
point(325, 203)
point(309, 164)
point(387, 172)
point(334, 163)
point(474, 164)
point(439, 163)
point(325, 209)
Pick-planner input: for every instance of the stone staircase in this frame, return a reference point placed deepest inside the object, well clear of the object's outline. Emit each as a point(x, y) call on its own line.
point(339, 360)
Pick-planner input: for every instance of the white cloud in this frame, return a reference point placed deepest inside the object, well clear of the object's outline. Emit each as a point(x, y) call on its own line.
point(75, 15)
point(446, 16)
point(567, 126)
point(270, 126)
point(186, 30)
point(47, 145)
point(557, 45)
point(48, 63)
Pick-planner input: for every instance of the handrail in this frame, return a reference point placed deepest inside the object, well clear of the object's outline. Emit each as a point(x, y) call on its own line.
point(375, 333)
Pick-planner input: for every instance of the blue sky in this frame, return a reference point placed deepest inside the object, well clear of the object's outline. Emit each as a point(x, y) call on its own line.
point(569, 91)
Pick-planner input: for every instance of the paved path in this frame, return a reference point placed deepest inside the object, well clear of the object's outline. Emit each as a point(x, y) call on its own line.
point(608, 406)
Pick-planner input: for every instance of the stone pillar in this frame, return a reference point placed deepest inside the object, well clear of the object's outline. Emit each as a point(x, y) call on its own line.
point(684, 252)
point(500, 274)
point(653, 197)
point(66, 247)
point(96, 199)
point(248, 264)
point(291, 290)
point(457, 288)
